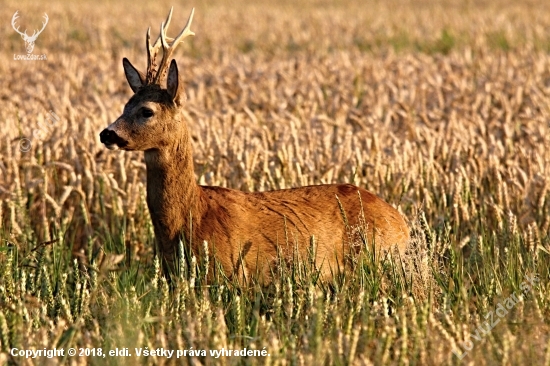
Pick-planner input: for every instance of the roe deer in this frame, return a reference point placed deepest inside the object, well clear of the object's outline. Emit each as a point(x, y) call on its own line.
point(246, 232)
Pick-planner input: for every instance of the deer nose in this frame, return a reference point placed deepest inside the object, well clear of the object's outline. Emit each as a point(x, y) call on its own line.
point(110, 138)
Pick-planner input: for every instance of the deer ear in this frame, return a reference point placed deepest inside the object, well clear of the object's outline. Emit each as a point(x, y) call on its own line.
point(135, 78)
point(172, 82)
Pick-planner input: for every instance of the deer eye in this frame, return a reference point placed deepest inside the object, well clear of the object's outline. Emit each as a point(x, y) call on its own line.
point(147, 113)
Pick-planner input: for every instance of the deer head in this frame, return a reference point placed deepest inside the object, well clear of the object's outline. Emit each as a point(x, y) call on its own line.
point(151, 118)
point(29, 40)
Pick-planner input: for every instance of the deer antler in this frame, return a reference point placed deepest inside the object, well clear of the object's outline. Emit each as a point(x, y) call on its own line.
point(24, 34)
point(154, 76)
point(35, 35)
point(13, 19)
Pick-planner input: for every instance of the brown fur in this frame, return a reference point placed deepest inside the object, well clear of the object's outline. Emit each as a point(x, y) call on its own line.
point(246, 232)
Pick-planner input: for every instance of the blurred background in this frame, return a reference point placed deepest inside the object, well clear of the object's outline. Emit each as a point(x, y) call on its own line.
point(440, 107)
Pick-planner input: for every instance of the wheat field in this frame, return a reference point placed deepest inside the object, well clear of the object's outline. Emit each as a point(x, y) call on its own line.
point(442, 108)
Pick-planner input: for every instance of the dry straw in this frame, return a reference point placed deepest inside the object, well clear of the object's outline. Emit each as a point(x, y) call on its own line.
point(443, 109)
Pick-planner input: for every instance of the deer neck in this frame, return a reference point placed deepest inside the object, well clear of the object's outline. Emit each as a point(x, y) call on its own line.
point(173, 196)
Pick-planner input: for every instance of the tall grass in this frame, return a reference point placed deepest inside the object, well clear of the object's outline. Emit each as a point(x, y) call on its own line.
point(445, 114)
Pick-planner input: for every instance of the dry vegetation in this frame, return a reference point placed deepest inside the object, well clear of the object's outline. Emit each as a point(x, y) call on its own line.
point(441, 108)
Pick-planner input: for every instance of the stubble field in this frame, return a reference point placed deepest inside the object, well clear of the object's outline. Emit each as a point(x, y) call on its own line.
point(441, 108)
